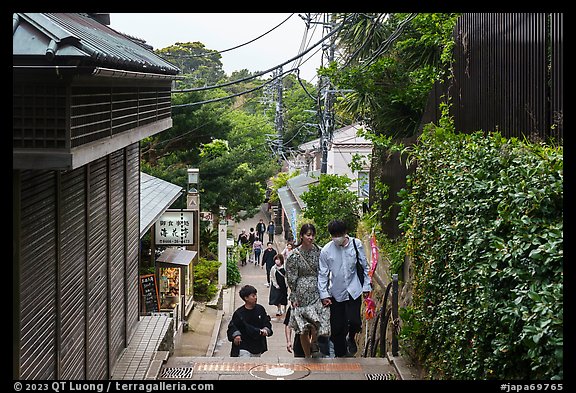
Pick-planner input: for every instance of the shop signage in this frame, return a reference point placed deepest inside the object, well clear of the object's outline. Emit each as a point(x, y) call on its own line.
point(149, 292)
point(175, 228)
point(206, 216)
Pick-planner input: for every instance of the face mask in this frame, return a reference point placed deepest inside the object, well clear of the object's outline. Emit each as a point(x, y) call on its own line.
point(339, 240)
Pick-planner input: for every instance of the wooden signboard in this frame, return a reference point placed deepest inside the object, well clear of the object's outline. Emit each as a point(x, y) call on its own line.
point(149, 291)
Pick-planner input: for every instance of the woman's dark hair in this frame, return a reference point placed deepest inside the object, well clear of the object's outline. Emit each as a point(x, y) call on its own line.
point(280, 257)
point(337, 227)
point(246, 291)
point(304, 230)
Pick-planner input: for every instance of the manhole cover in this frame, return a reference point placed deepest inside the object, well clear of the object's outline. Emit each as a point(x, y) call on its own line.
point(279, 371)
point(177, 373)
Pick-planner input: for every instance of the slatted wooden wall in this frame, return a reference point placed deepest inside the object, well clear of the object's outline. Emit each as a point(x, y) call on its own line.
point(76, 256)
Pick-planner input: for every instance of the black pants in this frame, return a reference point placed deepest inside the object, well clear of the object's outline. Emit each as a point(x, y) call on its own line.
point(344, 319)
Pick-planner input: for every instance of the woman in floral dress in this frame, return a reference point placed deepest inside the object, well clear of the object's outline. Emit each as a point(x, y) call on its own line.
point(309, 317)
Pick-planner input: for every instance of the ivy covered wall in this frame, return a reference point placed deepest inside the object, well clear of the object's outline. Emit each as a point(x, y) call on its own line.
point(483, 223)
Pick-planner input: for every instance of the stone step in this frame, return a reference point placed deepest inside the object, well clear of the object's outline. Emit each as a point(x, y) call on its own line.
point(228, 368)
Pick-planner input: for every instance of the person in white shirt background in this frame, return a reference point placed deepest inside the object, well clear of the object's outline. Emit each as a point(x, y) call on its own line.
point(340, 288)
point(288, 250)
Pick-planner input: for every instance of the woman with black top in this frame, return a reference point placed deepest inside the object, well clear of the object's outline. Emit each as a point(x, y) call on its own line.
point(278, 288)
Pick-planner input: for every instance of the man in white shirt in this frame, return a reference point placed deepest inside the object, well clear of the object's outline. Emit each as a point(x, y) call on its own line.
point(340, 288)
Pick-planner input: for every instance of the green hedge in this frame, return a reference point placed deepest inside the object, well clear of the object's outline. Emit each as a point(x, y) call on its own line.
point(483, 223)
point(205, 279)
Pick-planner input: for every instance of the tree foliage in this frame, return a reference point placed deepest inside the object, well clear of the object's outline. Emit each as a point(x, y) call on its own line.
point(198, 64)
point(234, 172)
point(278, 181)
point(229, 140)
point(328, 200)
point(483, 221)
point(299, 110)
point(391, 63)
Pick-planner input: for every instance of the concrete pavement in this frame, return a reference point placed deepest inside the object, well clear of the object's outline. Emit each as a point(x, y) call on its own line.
point(202, 353)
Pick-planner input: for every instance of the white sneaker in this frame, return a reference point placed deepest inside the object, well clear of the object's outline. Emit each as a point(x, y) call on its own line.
point(267, 285)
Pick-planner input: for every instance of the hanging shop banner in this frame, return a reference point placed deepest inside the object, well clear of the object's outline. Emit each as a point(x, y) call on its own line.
point(175, 228)
point(375, 254)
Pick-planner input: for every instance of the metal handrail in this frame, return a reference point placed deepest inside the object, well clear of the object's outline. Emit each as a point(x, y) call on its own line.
point(382, 318)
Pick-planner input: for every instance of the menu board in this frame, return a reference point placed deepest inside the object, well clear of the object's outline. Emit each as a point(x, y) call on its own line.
point(149, 291)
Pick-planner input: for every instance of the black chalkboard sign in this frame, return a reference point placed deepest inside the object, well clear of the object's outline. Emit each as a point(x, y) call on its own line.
point(149, 293)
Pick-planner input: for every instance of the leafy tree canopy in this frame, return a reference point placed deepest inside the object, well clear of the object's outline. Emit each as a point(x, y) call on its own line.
point(328, 200)
point(234, 172)
point(391, 62)
point(225, 131)
point(199, 65)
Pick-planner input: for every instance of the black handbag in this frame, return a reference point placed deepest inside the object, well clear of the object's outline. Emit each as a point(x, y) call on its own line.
point(359, 267)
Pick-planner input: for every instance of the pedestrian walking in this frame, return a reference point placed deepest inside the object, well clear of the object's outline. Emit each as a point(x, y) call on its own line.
point(251, 238)
point(271, 231)
point(268, 260)
point(260, 229)
point(257, 251)
point(309, 318)
point(288, 250)
point(278, 289)
point(249, 326)
point(341, 286)
point(243, 242)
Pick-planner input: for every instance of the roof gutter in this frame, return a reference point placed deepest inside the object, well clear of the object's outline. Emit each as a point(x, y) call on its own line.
point(113, 73)
point(102, 72)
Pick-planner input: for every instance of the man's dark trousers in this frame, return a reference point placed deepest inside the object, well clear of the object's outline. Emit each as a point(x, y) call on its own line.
point(344, 319)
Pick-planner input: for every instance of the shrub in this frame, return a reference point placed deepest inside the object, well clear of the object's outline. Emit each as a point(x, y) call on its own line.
point(205, 279)
point(483, 222)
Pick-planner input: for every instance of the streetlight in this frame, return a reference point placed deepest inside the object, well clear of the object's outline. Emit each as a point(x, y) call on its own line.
point(193, 204)
point(193, 178)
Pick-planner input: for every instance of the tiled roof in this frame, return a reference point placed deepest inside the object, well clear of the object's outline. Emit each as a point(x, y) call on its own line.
point(78, 39)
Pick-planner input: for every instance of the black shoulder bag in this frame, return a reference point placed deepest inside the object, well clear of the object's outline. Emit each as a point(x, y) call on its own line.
point(359, 267)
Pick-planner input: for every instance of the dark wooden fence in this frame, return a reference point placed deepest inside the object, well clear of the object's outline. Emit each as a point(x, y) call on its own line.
point(507, 76)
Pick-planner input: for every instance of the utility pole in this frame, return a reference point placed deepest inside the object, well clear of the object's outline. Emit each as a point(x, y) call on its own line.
point(279, 119)
point(325, 97)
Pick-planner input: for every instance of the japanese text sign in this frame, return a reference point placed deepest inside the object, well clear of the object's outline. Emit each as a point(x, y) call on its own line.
point(175, 228)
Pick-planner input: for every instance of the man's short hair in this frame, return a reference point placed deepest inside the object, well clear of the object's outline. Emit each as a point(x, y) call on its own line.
point(246, 291)
point(337, 227)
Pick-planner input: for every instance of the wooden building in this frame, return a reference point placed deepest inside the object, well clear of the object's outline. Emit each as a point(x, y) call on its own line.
point(84, 95)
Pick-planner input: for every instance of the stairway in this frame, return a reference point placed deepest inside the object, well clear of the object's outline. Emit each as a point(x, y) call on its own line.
point(277, 368)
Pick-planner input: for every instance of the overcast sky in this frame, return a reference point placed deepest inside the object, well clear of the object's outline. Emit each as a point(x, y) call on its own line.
point(220, 31)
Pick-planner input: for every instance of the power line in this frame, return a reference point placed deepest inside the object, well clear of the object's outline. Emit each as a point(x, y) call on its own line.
point(233, 95)
point(334, 31)
point(229, 49)
point(389, 41)
point(177, 137)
